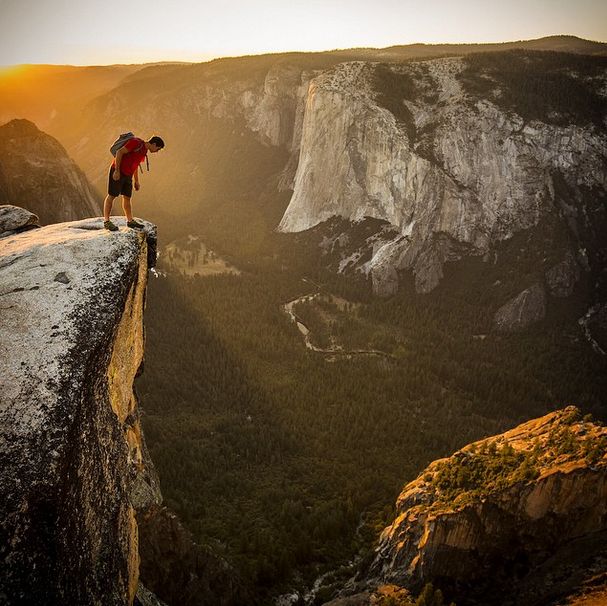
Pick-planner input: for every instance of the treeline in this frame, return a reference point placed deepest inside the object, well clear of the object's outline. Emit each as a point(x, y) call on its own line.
point(556, 88)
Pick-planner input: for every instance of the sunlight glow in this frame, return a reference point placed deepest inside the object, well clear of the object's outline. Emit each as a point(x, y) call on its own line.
point(90, 32)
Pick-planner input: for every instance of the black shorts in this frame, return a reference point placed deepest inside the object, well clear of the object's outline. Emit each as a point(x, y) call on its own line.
point(122, 187)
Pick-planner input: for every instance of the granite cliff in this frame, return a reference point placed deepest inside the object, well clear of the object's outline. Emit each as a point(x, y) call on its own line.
point(73, 459)
point(512, 519)
point(37, 173)
point(448, 164)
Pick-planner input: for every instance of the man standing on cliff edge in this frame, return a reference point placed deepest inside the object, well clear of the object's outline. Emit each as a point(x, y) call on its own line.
point(120, 179)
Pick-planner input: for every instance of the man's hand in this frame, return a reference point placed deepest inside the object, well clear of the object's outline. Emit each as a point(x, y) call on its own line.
point(137, 186)
point(116, 175)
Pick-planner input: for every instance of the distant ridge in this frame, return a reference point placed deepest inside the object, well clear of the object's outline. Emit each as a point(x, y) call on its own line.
point(560, 43)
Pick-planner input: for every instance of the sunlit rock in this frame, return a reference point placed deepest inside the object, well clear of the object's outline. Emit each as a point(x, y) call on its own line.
point(512, 517)
point(455, 176)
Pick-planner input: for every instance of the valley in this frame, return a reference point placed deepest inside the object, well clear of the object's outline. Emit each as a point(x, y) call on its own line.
point(289, 451)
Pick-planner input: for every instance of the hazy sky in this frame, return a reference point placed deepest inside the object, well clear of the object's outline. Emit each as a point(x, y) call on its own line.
point(85, 32)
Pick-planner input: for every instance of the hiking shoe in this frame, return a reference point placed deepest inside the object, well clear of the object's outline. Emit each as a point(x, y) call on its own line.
point(135, 224)
point(110, 226)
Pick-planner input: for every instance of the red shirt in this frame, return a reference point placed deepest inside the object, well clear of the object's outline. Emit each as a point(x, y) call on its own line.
point(136, 153)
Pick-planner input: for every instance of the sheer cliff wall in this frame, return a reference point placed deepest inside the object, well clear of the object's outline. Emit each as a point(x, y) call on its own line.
point(72, 455)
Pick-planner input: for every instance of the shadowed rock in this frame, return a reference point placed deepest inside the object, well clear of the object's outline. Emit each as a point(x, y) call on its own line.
point(37, 173)
point(522, 311)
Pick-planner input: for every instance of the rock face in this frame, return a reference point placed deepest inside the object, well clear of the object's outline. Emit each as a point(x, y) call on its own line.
point(510, 519)
point(36, 172)
point(72, 455)
point(562, 278)
point(525, 309)
point(14, 219)
point(453, 173)
point(180, 571)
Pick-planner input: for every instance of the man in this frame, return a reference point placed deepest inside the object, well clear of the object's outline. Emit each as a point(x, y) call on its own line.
point(120, 180)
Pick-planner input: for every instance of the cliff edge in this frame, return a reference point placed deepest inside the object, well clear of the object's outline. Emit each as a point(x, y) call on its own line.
point(72, 455)
point(519, 518)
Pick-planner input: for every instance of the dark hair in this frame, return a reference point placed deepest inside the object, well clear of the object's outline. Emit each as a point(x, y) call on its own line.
point(157, 141)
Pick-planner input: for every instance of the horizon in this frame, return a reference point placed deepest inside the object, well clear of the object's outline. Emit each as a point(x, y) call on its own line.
point(55, 32)
point(7, 67)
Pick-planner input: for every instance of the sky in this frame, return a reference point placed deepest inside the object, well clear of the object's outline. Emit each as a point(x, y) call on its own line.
point(90, 32)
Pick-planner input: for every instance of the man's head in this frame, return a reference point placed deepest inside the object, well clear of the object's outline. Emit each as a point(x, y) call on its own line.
point(155, 144)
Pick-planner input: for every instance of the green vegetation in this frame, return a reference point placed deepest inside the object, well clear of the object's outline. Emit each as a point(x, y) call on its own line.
point(470, 476)
point(566, 443)
point(493, 466)
point(428, 597)
point(283, 461)
point(556, 88)
point(337, 323)
point(394, 86)
point(288, 464)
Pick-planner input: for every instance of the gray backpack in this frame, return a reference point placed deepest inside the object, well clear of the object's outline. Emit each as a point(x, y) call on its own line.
point(124, 137)
point(121, 141)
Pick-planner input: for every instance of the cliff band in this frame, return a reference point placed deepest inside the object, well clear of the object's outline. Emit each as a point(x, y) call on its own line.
point(71, 451)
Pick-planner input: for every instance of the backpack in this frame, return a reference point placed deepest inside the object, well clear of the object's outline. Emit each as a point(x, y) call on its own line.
point(121, 141)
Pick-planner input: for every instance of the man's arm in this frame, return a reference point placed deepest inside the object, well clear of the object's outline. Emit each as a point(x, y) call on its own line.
point(119, 155)
point(136, 178)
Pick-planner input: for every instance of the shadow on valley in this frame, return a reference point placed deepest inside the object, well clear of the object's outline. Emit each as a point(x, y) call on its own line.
point(288, 464)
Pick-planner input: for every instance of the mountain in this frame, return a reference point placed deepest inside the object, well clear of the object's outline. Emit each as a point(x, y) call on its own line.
point(511, 519)
point(455, 155)
point(36, 172)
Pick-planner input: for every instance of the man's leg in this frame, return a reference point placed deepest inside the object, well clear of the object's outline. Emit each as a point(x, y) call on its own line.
point(128, 213)
point(107, 207)
point(126, 206)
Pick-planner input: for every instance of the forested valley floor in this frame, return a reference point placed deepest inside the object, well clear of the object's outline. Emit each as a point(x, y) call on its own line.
point(288, 462)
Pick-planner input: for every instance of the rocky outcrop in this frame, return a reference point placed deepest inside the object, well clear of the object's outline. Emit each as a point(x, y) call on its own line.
point(512, 519)
point(562, 278)
point(72, 455)
point(525, 309)
point(37, 173)
point(14, 219)
point(179, 570)
point(452, 173)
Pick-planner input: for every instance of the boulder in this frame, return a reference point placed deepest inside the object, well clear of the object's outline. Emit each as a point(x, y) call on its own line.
point(15, 218)
point(521, 312)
